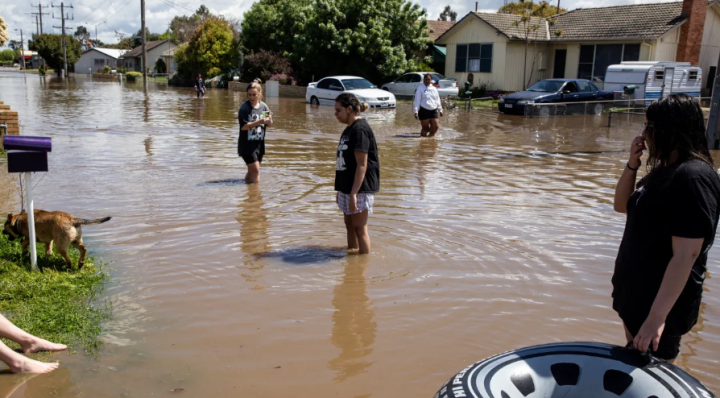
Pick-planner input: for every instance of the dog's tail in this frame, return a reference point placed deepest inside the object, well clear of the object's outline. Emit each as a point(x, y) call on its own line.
point(93, 222)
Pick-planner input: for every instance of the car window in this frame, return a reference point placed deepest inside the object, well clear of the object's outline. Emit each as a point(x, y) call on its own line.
point(335, 85)
point(437, 76)
point(585, 87)
point(403, 79)
point(357, 84)
point(595, 88)
point(324, 84)
point(571, 87)
point(415, 78)
point(547, 86)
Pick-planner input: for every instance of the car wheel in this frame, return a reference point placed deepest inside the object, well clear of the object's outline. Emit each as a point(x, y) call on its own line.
point(314, 100)
point(544, 111)
point(597, 109)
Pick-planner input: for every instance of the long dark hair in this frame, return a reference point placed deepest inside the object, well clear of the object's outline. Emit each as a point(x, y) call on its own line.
point(347, 100)
point(675, 122)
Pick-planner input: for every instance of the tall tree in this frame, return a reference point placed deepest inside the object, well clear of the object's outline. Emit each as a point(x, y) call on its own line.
point(15, 45)
point(448, 13)
point(49, 46)
point(542, 9)
point(7, 55)
point(182, 26)
point(4, 37)
point(81, 33)
point(533, 30)
point(211, 50)
point(137, 37)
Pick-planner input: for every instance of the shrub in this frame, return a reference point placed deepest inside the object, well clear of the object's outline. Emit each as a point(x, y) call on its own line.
point(134, 75)
point(105, 69)
point(160, 66)
point(264, 64)
point(284, 79)
point(41, 71)
point(422, 67)
point(121, 70)
point(480, 91)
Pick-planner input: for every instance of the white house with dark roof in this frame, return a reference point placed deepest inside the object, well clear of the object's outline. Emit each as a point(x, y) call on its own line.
point(132, 60)
point(94, 59)
point(582, 43)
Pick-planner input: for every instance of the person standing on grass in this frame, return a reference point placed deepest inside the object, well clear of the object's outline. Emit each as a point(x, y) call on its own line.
point(672, 217)
point(427, 106)
point(254, 117)
point(357, 171)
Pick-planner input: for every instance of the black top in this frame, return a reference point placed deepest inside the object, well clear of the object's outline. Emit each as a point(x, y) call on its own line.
point(254, 138)
point(357, 137)
point(682, 201)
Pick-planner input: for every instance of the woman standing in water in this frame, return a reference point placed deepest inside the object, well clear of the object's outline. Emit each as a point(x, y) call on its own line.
point(254, 117)
point(427, 106)
point(357, 171)
point(199, 86)
point(671, 221)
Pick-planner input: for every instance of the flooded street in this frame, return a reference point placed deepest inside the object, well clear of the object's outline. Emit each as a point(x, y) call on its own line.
point(497, 235)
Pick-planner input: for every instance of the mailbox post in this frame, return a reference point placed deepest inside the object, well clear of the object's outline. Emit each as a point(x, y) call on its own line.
point(28, 155)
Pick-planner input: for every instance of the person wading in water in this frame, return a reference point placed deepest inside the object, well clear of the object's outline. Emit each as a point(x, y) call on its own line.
point(428, 107)
point(254, 117)
point(357, 171)
point(672, 216)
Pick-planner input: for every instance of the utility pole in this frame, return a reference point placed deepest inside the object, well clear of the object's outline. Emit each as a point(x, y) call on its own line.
point(63, 17)
point(22, 47)
point(713, 126)
point(558, 10)
point(144, 50)
point(39, 14)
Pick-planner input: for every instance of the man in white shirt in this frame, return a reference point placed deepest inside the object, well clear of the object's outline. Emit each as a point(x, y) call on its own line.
point(427, 106)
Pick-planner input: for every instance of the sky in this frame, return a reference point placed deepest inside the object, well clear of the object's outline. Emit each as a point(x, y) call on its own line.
point(108, 16)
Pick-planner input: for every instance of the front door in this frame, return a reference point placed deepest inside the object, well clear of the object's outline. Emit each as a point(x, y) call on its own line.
point(559, 68)
point(668, 82)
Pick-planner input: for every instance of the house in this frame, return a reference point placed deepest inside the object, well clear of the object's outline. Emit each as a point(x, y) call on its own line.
point(169, 58)
point(32, 59)
point(582, 43)
point(94, 59)
point(132, 60)
point(437, 29)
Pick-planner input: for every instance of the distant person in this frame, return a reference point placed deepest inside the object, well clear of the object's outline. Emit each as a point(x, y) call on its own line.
point(357, 171)
point(254, 117)
point(428, 107)
point(19, 363)
point(199, 86)
point(672, 216)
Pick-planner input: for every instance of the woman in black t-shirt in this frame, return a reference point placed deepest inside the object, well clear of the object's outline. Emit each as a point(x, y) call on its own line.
point(671, 221)
point(357, 171)
point(254, 117)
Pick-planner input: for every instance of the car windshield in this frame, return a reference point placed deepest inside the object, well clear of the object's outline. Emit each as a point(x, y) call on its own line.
point(547, 86)
point(357, 84)
point(437, 76)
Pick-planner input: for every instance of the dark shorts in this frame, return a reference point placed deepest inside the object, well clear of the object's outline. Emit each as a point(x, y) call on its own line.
point(668, 348)
point(426, 114)
point(253, 157)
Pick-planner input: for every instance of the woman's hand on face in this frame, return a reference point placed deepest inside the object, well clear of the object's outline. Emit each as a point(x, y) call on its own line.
point(649, 333)
point(352, 203)
point(636, 151)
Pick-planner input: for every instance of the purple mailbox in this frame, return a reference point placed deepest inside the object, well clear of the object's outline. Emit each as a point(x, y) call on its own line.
point(27, 154)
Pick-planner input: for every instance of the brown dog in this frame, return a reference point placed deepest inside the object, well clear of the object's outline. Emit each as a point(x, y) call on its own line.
point(52, 226)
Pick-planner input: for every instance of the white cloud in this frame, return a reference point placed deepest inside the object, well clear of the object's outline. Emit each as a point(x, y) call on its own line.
point(124, 15)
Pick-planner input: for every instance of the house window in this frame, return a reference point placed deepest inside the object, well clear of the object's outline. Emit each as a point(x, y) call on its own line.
point(99, 62)
point(692, 75)
point(474, 58)
point(595, 59)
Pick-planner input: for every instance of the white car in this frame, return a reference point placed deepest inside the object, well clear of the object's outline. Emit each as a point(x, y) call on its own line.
point(326, 90)
point(409, 82)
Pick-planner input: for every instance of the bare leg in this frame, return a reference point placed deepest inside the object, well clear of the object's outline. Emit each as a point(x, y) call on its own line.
point(425, 128)
point(28, 342)
point(352, 240)
point(253, 174)
point(19, 363)
point(359, 223)
point(433, 127)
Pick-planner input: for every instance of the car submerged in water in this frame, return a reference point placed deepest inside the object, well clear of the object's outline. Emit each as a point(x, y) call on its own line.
point(326, 90)
point(555, 91)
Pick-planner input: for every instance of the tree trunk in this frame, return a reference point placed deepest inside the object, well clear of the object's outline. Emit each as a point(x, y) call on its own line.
point(525, 66)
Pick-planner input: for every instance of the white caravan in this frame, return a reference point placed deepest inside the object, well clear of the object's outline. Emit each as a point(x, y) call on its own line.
point(654, 79)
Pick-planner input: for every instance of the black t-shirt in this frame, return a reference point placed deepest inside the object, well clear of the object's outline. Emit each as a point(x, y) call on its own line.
point(254, 139)
point(681, 201)
point(357, 137)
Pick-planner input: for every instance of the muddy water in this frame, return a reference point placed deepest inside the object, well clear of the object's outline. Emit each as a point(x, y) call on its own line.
point(497, 235)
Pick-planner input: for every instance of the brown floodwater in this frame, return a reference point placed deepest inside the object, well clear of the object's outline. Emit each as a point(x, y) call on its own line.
point(496, 235)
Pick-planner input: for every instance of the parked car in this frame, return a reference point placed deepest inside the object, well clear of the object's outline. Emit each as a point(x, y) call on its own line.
point(555, 90)
point(326, 90)
point(409, 82)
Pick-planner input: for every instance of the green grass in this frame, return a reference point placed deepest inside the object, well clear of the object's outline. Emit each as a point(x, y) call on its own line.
point(55, 303)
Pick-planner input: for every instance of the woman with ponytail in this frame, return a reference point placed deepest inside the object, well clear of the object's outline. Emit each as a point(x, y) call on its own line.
point(357, 171)
point(254, 117)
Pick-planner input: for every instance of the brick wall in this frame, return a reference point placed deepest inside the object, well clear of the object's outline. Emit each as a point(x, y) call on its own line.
point(285, 91)
point(10, 118)
point(691, 32)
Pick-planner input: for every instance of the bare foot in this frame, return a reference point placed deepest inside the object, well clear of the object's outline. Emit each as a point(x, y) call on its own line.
point(353, 251)
point(27, 365)
point(39, 344)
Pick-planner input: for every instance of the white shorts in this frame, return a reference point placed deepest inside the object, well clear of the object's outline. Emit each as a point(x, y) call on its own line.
point(364, 202)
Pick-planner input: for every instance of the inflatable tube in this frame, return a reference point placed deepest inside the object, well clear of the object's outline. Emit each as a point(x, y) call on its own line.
point(573, 370)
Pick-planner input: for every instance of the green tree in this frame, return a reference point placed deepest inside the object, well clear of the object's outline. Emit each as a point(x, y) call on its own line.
point(211, 50)
point(542, 9)
point(137, 37)
point(7, 55)
point(4, 37)
point(372, 38)
point(49, 46)
point(448, 14)
point(160, 66)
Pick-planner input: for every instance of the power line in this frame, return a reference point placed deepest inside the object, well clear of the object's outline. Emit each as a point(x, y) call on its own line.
point(93, 11)
point(118, 10)
point(177, 5)
point(63, 17)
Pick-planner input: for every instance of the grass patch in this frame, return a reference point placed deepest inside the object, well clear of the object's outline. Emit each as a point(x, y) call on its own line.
point(55, 303)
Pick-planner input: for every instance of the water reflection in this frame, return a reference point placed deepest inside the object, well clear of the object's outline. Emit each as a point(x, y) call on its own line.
point(425, 161)
point(254, 227)
point(354, 329)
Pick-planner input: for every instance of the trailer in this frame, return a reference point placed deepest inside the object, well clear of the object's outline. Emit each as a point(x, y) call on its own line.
point(654, 79)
